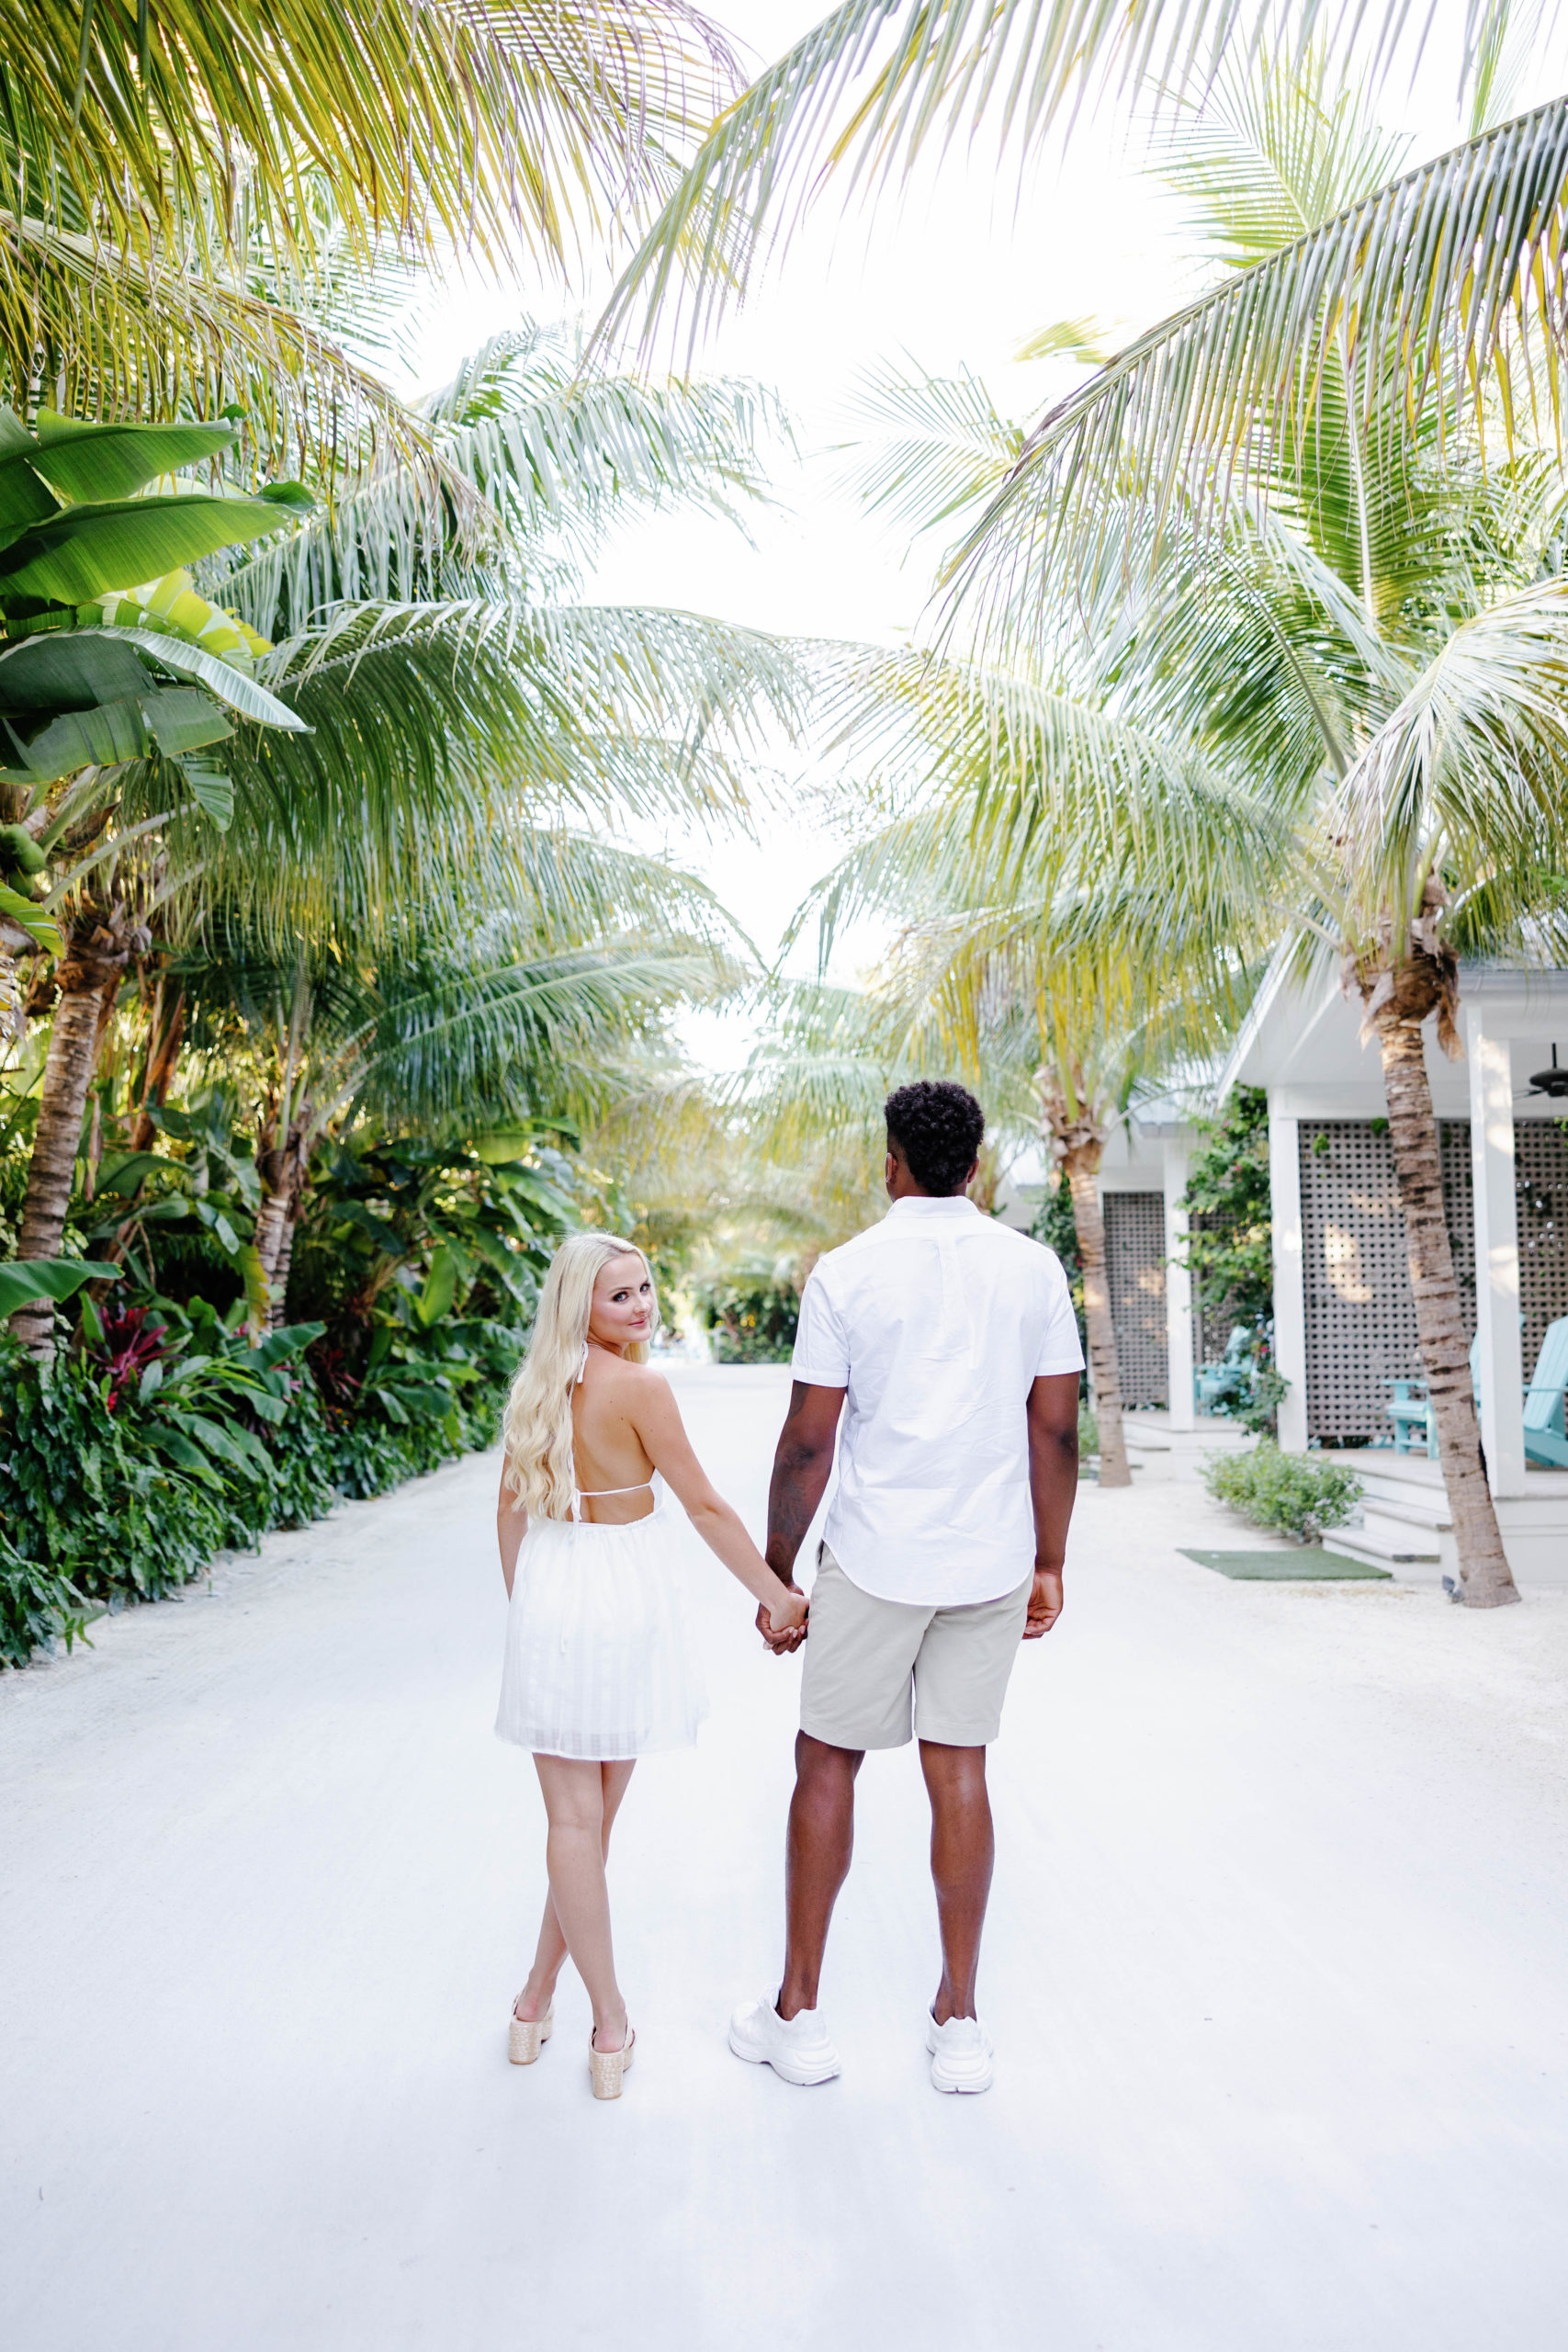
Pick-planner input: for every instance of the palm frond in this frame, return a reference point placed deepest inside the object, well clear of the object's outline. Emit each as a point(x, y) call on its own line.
point(935, 450)
point(1465, 778)
point(877, 83)
point(141, 334)
point(1391, 312)
point(1272, 150)
point(495, 124)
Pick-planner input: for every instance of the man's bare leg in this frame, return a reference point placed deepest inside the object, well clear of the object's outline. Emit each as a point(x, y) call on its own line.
point(821, 1839)
point(963, 1850)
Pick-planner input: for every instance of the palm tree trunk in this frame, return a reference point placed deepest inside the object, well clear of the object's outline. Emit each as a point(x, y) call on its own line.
point(1081, 1166)
point(162, 1058)
point(280, 1278)
point(1486, 1581)
point(67, 1074)
point(283, 1168)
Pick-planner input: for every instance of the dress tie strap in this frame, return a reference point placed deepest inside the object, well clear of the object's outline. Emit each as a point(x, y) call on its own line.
point(580, 1495)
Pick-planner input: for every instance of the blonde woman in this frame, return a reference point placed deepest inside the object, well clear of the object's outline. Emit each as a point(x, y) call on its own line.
point(600, 1667)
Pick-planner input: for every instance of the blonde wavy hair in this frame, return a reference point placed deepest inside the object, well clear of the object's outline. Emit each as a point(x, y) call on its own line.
point(536, 1431)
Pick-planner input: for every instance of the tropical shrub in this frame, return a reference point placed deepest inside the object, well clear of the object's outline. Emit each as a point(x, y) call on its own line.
point(750, 1317)
point(117, 1489)
point(1290, 1494)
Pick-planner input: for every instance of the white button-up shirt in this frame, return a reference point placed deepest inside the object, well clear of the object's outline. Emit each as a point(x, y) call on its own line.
point(936, 1321)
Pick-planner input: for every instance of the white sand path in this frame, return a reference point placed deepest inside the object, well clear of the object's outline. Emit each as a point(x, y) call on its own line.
point(1276, 1968)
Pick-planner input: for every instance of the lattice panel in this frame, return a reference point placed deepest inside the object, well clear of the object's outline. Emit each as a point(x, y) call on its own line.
point(1541, 1161)
point(1135, 1254)
point(1360, 1316)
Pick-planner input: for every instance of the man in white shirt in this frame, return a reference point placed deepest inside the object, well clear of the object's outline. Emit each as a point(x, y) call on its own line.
point(954, 1342)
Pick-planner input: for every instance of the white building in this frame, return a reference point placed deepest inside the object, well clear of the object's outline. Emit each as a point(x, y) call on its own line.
point(1344, 1318)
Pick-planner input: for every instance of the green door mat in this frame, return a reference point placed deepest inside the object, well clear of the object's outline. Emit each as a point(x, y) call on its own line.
point(1312, 1564)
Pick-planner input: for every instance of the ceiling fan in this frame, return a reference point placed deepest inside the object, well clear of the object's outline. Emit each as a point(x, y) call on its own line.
point(1552, 1081)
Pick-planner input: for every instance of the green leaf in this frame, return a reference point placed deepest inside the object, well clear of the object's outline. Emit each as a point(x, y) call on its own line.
point(292, 494)
point(86, 550)
point(504, 1145)
point(230, 686)
point(102, 461)
point(217, 1223)
point(235, 1446)
point(440, 1288)
point(25, 1280)
point(258, 1301)
point(212, 791)
point(69, 669)
point(182, 718)
point(285, 1346)
point(107, 733)
point(122, 1172)
point(152, 1380)
point(24, 498)
point(32, 919)
point(180, 1450)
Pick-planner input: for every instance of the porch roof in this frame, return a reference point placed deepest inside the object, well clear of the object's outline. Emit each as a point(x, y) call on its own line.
point(1302, 1040)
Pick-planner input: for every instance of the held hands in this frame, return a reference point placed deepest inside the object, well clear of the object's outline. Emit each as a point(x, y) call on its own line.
point(1044, 1603)
point(781, 1622)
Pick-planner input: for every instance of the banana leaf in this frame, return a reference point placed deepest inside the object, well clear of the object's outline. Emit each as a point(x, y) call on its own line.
point(83, 551)
point(231, 686)
point(182, 718)
point(97, 462)
point(23, 1281)
point(24, 498)
point(440, 1286)
point(109, 733)
point(68, 670)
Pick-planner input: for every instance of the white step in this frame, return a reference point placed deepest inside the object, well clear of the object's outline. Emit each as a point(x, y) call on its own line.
point(1382, 1547)
point(1431, 1516)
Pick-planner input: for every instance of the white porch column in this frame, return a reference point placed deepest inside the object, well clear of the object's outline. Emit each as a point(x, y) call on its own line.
point(1289, 1276)
point(1177, 1294)
point(1497, 1252)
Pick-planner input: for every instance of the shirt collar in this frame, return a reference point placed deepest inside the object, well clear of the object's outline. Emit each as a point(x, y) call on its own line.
point(917, 1205)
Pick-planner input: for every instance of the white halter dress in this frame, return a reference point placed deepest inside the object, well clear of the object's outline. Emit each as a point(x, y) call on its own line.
point(600, 1662)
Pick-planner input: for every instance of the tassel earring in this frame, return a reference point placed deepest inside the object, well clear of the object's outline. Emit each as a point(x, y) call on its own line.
point(583, 1367)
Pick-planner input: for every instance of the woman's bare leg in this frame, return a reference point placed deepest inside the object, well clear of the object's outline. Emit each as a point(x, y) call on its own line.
point(537, 1994)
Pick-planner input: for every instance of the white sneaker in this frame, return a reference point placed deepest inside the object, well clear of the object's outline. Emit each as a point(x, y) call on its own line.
point(797, 2047)
point(961, 2055)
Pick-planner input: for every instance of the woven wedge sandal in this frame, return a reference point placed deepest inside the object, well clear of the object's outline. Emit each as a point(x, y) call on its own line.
point(606, 2067)
point(528, 2036)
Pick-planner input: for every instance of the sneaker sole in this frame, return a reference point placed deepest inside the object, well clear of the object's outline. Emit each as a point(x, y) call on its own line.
point(804, 2078)
point(940, 2084)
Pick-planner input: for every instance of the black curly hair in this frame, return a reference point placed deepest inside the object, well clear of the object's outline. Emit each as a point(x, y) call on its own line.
point(936, 1128)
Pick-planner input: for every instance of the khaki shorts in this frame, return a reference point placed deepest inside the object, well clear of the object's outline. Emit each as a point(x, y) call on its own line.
point(867, 1659)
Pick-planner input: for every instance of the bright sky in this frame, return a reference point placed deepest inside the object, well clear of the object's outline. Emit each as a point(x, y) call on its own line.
point(960, 268)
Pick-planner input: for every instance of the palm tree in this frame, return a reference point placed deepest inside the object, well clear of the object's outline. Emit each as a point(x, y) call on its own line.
point(441, 731)
point(1074, 905)
point(539, 1001)
point(96, 722)
point(1334, 590)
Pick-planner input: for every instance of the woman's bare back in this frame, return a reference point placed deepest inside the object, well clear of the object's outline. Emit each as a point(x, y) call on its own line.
point(608, 1452)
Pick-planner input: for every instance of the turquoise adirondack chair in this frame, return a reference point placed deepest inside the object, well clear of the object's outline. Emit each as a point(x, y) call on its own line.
point(1546, 1439)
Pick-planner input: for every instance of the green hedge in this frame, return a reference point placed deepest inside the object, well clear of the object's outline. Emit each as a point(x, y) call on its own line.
point(96, 1515)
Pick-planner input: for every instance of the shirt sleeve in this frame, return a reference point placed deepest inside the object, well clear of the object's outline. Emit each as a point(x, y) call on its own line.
point(821, 1349)
point(1059, 1347)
